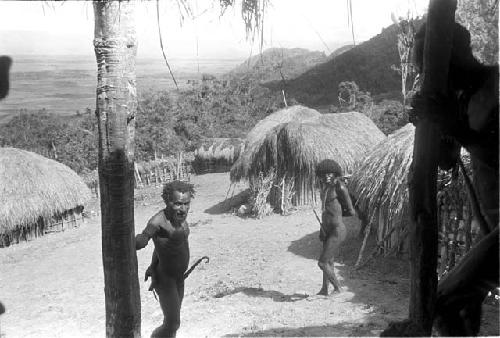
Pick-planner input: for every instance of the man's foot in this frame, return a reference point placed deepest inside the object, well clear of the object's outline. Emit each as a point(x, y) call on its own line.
point(323, 292)
point(162, 331)
point(330, 275)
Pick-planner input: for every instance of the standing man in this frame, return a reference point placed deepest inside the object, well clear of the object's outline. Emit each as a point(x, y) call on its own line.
point(335, 203)
point(169, 230)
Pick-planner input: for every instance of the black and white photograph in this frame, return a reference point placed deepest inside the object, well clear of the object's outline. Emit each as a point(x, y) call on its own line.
point(249, 168)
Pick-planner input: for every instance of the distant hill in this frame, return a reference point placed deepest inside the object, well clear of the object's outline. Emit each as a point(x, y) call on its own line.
point(266, 67)
point(340, 50)
point(368, 64)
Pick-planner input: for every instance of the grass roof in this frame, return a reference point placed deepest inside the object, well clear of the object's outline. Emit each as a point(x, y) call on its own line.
point(32, 186)
point(296, 148)
point(256, 136)
point(228, 149)
point(380, 180)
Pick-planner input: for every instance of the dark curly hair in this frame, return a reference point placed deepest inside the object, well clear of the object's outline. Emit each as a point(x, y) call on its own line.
point(328, 166)
point(170, 187)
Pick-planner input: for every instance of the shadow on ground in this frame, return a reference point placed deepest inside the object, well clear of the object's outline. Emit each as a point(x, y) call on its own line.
point(344, 329)
point(308, 246)
point(259, 292)
point(229, 204)
point(382, 285)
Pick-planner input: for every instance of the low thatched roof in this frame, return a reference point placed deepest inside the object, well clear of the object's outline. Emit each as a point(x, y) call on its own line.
point(32, 186)
point(228, 149)
point(380, 180)
point(296, 148)
point(257, 135)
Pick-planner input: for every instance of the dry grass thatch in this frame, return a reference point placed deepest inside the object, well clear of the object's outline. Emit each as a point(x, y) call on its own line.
point(379, 182)
point(256, 136)
point(380, 185)
point(296, 148)
point(220, 149)
point(32, 186)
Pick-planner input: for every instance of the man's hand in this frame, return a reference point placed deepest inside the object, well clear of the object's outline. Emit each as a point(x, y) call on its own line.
point(322, 236)
point(141, 241)
point(148, 273)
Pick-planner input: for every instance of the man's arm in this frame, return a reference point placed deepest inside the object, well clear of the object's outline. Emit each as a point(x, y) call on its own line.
point(142, 239)
point(345, 199)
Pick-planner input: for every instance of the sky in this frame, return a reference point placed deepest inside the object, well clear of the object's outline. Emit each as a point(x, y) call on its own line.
point(67, 28)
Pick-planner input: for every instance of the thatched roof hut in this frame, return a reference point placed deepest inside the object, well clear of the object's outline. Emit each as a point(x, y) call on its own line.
point(217, 152)
point(297, 147)
point(32, 186)
point(256, 136)
point(379, 182)
point(380, 185)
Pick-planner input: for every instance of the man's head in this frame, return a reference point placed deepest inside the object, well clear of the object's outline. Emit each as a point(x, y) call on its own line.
point(327, 170)
point(177, 197)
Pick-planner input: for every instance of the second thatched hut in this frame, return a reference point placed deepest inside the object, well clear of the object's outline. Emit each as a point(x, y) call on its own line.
point(37, 195)
point(294, 148)
point(380, 186)
point(217, 154)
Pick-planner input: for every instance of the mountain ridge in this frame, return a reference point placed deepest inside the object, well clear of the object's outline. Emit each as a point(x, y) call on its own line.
point(368, 64)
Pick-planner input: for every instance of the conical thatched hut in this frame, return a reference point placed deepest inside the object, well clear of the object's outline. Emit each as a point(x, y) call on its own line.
point(35, 193)
point(379, 183)
point(217, 154)
point(254, 139)
point(295, 148)
point(380, 186)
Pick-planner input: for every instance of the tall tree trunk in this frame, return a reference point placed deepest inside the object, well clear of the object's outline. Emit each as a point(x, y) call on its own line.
point(115, 47)
point(423, 175)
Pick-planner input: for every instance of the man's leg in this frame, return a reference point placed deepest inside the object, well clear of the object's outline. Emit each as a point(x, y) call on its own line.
point(324, 286)
point(326, 260)
point(180, 290)
point(168, 295)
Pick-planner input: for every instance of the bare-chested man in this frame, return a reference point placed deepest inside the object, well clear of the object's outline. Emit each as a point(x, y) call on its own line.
point(335, 202)
point(169, 230)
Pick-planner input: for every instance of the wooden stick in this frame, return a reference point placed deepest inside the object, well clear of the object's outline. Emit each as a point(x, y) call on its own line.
point(376, 249)
point(423, 173)
point(362, 249)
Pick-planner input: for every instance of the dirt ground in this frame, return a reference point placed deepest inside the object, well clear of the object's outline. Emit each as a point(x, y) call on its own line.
point(261, 280)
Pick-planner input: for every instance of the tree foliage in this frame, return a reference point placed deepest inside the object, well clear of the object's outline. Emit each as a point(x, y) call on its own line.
point(154, 127)
point(71, 141)
point(389, 115)
point(351, 98)
point(212, 108)
point(166, 124)
point(480, 17)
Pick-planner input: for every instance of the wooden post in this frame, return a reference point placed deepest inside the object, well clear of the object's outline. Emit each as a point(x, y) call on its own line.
point(115, 46)
point(283, 195)
point(423, 172)
point(179, 161)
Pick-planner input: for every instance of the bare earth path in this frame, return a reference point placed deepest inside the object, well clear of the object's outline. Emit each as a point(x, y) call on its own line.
point(261, 279)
